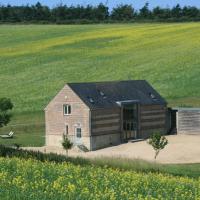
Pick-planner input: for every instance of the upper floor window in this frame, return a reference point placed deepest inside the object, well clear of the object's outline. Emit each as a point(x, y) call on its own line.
point(66, 109)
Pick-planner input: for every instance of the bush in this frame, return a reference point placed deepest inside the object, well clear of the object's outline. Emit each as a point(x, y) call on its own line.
point(52, 157)
point(66, 143)
point(5, 106)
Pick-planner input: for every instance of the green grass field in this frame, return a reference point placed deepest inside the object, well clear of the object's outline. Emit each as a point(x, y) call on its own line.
point(28, 130)
point(37, 60)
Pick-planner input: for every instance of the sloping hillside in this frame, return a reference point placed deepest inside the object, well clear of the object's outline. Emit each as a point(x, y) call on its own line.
point(36, 60)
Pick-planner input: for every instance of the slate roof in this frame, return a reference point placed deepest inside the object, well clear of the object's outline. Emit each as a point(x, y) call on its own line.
point(107, 94)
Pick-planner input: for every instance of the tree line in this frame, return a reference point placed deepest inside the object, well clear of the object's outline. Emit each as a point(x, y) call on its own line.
point(64, 14)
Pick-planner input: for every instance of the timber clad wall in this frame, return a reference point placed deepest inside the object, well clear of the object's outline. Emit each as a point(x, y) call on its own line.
point(105, 121)
point(105, 127)
point(152, 119)
point(188, 121)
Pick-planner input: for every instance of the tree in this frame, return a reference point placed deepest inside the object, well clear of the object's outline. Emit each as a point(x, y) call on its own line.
point(5, 106)
point(122, 12)
point(59, 13)
point(176, 11)
point(158, 142)
point(41, 12)
point(62, 13)
point(145, 12)
point(190, 12)
point(166, 13)
point(101, 12)
point(66, 143)
point(158, 13)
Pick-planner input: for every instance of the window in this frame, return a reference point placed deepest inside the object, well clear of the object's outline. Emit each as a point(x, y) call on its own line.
point(66, 130)
point(78, 132)
point(91, 99)
point(66, 109)
point(152, 95)
point(102, 94)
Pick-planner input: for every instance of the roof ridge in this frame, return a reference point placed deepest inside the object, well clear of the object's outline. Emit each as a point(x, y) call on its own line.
point(113, 81)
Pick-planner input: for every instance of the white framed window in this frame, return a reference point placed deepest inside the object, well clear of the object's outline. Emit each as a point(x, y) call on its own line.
point(66, 109)
point(78, 132)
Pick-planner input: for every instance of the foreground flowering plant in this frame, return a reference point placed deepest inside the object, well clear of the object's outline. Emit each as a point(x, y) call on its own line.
point(31, 179)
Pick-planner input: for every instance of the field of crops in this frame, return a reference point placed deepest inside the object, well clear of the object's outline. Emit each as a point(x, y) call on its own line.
point(31, 179)
point(37, 60)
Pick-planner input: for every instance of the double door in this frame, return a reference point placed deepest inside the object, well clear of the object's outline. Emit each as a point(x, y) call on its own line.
point(130, 121)
point(129, 130)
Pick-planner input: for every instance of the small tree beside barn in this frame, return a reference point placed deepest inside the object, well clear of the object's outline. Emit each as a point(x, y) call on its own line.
point(158, 142)
point(66, 143)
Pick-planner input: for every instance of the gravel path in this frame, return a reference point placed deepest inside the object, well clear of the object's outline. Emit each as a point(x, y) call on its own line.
point(181, 149)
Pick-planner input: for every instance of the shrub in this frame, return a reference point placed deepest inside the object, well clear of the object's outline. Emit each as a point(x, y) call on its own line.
point(66, 143)
point(52, 157)
point(5, 106)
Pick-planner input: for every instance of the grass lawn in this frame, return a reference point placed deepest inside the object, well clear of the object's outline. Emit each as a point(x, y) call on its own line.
point(188, 170)
point(28, 130)
point(37, 60)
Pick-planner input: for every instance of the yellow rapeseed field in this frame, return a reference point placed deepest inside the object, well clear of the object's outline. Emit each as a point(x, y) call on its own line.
point(31, 179)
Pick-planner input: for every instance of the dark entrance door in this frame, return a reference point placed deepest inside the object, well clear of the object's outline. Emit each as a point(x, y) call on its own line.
point(130, 121)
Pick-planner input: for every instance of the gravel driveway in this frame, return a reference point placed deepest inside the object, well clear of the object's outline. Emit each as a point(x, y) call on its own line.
point(181, 149)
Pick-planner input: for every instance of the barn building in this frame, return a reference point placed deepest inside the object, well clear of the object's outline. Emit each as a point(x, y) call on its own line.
point(101, 114)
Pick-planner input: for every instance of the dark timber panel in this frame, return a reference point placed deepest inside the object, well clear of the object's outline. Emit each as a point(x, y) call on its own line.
point(105, 121)
point(152, 107)
point(105, 125)
point(189, 121)
point(152, 119)
point(153, 113)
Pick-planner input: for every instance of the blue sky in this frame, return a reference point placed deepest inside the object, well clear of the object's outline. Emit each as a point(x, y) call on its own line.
point(136, 3)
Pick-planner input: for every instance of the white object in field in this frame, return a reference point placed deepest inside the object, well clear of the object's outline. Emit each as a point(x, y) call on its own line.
point(9, 135)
